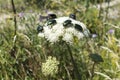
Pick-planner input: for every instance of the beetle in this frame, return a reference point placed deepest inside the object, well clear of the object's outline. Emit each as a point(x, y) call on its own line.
point(51, 16)
point(67, 23)
point(51, 22)
point(73, 16)
point(78, 27)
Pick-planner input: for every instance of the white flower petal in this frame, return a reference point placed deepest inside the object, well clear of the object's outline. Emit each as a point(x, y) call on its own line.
point(68, 37)
point(41, 34)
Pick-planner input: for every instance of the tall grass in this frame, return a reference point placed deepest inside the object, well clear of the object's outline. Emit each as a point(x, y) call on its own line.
point(95, 58)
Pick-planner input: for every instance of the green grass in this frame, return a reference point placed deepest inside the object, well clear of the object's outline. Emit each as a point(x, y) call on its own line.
point(22, 55)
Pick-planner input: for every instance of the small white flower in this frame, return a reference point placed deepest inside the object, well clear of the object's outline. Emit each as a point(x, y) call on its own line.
point(53, 38)
point(71, 30)
point(79, 35)
point(41, 35)
point(74, 32)
point(58, 29)
point(53, 34)
point(47, 31)
point(62, 19)
point(50, 67)
point(68, 37)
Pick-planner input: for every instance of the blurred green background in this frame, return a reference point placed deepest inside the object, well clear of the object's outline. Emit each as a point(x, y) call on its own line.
point(22, 54)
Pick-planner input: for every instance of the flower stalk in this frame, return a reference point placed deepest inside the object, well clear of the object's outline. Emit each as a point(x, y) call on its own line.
point(74, 64)
point(15, 20)
point(14, 49)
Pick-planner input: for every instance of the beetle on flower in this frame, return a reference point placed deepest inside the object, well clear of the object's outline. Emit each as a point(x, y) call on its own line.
point(64, 28)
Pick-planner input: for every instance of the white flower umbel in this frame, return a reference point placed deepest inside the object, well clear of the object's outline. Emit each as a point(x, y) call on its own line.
point(57, 31)
point(74, 32)
point(53, 34)
point(68, 38)
point(50, 67)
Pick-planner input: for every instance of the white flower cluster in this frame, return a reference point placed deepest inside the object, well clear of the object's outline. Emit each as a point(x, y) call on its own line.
point(50, 67)
point(57, 31)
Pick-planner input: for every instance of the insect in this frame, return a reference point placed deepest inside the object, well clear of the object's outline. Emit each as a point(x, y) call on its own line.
point(67, 23)
point(51, 22)
point(39, 28)
point(78, 27)
point(51, 16)
point(72, 16)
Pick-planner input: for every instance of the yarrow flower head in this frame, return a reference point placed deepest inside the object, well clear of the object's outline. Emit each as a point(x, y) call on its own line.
point(50, 67)
point(64, 28)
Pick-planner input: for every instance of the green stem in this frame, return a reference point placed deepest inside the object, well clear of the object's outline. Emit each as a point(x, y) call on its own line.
point(74, 64)
point(13, 50)
point(15, 20)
